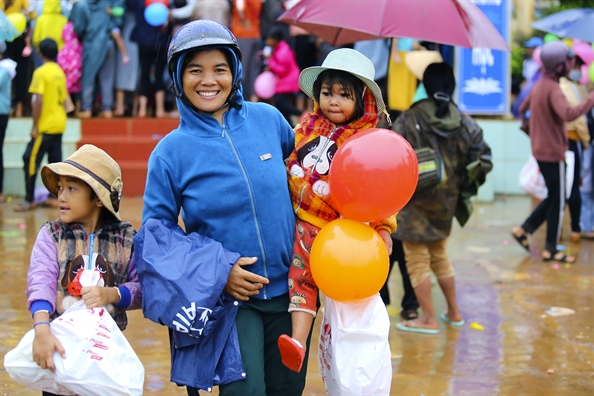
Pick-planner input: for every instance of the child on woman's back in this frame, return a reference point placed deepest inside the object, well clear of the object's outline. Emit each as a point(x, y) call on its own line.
point(88, 185)
point(346, 100)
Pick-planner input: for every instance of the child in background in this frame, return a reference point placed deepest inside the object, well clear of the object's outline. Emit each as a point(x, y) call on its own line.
point(89, 186)
point(282, 63)
point(48, 87)
point(116, 34)
point(70, 60)
point(50, 24)
point(346, 100)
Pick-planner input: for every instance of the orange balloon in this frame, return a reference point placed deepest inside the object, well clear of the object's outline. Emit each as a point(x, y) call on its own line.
point(373, 175)
point(349, 260)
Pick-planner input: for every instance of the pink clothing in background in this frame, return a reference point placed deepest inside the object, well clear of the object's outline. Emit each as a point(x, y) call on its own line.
point(283, 64)
point(70, 59)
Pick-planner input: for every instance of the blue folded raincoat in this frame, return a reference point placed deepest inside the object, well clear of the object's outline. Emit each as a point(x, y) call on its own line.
point(182, 278)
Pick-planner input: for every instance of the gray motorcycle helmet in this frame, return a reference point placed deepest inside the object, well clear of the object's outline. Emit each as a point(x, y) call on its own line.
point(200, 34)
point(555, 53)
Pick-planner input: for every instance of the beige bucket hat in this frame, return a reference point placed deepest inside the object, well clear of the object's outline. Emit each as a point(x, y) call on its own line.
point(347, 60)
point(417, 61)
point(96, 168)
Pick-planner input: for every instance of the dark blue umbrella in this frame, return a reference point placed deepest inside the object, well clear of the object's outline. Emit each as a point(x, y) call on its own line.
point(575, 23)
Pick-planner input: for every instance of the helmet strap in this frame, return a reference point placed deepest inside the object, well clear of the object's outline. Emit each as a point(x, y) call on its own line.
point(561, 69)
point(174, 88)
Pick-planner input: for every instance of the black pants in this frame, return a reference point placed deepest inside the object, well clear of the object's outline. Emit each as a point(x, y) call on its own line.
point(284, 103)
point(20, 84)
point(575, 199)
point(36, 149)
point(409, 300)
point(149, 55)
point(552, 207)
point(3, 124)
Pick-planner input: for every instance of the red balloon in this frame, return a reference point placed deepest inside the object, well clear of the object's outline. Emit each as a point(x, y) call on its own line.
point(373, 175)
point(149, 2)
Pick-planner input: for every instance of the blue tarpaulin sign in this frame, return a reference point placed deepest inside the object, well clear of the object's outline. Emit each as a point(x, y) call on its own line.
point(482, 74)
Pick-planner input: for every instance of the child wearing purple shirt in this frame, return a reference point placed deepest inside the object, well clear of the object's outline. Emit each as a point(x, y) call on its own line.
point(88, 185)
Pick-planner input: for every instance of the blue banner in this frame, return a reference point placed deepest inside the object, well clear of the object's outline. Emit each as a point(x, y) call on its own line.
point(483, 74)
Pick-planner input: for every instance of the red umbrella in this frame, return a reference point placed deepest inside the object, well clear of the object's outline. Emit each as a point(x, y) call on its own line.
point(454, 22)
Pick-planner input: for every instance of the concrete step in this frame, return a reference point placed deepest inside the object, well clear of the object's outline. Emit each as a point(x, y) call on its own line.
point(123, 148)
point(130, 141)
point(134, 177)
point(128, 126)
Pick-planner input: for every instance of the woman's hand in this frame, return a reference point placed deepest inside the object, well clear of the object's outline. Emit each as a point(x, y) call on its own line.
point(99, 296)
point(387, 239)
point(44, 345)
point(243, 284)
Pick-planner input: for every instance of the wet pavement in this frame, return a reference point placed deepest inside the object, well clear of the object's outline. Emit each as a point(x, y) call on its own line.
point(519, 351)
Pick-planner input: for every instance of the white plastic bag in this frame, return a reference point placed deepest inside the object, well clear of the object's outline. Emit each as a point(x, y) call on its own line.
point(569, 172)
point(99, 360)
point(532, 181)
point(354, 352)
point(20, 366)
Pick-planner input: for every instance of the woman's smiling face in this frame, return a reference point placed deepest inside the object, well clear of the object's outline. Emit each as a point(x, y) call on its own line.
point(207, 81)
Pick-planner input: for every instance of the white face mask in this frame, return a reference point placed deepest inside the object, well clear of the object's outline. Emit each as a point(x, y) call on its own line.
point(575, 75)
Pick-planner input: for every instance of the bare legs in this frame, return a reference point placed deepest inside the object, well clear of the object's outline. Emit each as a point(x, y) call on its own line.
point(302, 322)
point(159, 105)
point(428, 319)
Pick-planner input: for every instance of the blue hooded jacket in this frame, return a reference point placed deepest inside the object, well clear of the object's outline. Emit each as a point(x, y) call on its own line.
point(231, 181)
point(182, 278)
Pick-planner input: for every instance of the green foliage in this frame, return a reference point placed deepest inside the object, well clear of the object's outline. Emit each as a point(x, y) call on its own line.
point(561, 5)
point(566, 4)
point(517, 60)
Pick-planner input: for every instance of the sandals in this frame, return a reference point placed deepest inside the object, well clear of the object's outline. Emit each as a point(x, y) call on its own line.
point(413, 327)
point(409, 314)
point(24, 206)
point(561, 257)
point(455, 323)
point(522, 240)
point(292, 353)
point(588, 235)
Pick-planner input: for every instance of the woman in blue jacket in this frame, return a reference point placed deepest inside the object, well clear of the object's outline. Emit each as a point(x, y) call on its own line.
point(223, 168)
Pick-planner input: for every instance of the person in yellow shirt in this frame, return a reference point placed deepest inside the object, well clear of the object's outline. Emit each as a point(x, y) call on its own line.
point(48, 88)
point(50, 24)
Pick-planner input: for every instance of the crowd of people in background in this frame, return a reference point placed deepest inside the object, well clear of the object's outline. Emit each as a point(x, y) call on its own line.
point(114, 60)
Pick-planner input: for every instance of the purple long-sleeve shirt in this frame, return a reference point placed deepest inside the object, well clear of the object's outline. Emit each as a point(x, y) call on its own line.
point(42, 279)
point(549, 111)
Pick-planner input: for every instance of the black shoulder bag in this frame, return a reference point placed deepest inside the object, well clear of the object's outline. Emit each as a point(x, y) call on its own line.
point(432, 172)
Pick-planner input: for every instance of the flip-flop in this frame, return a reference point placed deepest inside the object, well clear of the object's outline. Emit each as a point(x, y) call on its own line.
point(522, 240)
point(414, 328)
point(24, 206)
point(459, 323)
point(562, 259)
point(292, 353)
